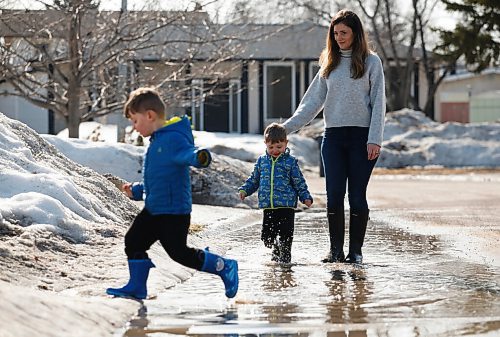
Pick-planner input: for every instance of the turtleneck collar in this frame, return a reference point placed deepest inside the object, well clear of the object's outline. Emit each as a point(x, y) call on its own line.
point(346, 52)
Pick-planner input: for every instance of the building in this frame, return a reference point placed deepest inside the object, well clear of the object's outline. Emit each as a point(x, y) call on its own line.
point(243, 78)
point(261, 82)
point(469, 97)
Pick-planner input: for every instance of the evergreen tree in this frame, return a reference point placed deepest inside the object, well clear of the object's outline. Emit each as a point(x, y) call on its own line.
point(476, 38)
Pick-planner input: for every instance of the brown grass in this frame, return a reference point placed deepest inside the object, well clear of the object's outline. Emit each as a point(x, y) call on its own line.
point(195, 228)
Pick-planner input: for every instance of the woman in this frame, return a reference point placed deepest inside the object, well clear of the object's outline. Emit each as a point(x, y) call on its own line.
point(349, 87)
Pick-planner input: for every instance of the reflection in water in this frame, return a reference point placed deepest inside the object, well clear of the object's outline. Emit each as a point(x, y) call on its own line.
point(277, 278)
point(280, 313)
point(138, 324)
point(348, 290)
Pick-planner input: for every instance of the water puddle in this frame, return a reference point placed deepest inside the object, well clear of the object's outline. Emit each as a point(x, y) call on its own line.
point(408, 286)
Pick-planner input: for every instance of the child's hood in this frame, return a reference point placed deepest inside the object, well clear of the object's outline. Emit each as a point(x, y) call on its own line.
point(177, 124)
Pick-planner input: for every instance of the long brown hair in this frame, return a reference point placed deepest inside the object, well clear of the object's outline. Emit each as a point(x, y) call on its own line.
point(330, 56)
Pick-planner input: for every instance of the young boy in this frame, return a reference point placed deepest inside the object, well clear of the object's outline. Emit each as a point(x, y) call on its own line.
point(166, 189)
point(279, 180)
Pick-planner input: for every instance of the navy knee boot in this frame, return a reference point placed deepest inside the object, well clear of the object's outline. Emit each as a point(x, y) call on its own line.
point(136, 286)
point(227, 269)
point(336, 227)
point(357, 230)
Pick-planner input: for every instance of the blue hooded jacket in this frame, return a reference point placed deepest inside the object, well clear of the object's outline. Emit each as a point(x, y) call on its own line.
point(166, 186)
point(279, 181)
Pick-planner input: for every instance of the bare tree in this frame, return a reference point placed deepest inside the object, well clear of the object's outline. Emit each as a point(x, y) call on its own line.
point(72, 58)
point(403, 43)
point(436, 68)
point(385, 25)
point(395, 44)
point(401, 40)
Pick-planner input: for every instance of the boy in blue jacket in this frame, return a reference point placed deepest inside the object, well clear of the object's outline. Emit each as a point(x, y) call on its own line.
point(166, 189)
point(280, 182)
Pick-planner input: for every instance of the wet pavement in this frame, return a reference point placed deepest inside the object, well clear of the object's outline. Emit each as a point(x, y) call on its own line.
point(409, 285)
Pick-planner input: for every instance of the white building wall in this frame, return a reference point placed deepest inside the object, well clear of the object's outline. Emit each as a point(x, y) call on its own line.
point(20, 109)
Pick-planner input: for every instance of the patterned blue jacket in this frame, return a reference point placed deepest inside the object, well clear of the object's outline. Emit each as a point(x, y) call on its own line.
point(166, 186)
point(279, 181)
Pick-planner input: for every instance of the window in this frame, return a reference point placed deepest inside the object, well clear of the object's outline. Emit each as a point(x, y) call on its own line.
point(197, 104)
point(235, 106)
point(313, 70)
point(279, 90)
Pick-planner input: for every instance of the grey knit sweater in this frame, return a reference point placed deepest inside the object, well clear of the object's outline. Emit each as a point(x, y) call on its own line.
point(345, 101)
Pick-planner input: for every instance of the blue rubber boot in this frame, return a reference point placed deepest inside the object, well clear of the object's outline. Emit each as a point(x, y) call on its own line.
point(227, 269)
point(136, 286)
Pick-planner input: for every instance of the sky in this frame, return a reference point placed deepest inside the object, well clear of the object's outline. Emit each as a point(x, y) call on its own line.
point(131, 4)
point(219, 8)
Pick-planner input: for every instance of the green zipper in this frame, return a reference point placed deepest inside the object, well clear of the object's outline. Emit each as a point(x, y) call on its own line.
point(273, 160)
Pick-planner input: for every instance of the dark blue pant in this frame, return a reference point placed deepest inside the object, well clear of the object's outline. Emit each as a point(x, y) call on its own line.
point(345, 159)
point(172, 232)
point(279, 223)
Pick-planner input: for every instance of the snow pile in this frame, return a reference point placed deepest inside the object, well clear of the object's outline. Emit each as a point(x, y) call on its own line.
point(411, 139)
point(119, 159)
point(218, 184)
point(49, 203)
point(402, 121)
point(95, 132)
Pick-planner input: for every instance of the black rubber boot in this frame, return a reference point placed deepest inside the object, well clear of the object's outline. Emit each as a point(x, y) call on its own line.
point(336, 227)
point(275, 254)
point(285, 250)
point(357, 231)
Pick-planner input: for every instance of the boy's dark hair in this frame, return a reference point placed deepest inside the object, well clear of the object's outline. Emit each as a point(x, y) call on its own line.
point(143, 99)
point(275, 133)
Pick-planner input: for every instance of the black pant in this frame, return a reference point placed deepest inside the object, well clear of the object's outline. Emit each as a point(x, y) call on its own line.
point(278, 223)
point(171, 230)
point(345, 158)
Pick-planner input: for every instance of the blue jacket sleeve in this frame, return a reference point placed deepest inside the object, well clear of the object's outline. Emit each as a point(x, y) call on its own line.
point(189, 155)
point(252, 183)
point(299, 183)
point(137, 191)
